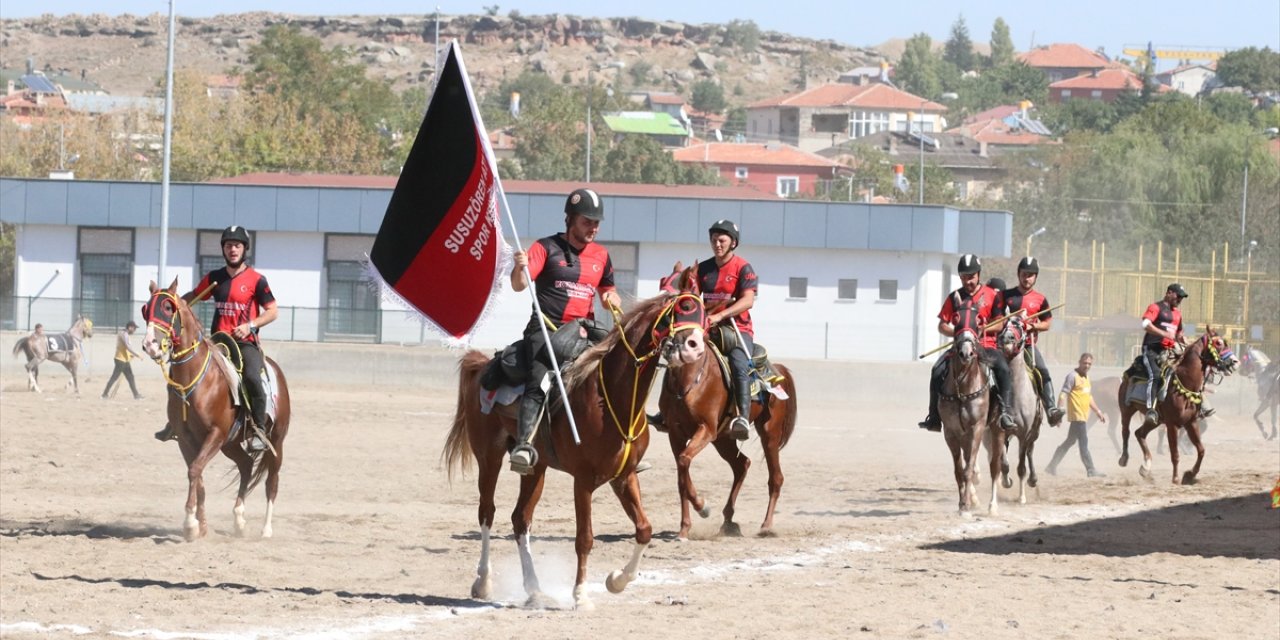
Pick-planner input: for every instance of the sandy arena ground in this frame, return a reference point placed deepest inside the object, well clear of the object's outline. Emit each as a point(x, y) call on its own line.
point(371, 540)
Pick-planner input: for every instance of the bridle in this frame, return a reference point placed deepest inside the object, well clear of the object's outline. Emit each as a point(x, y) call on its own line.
point(163, 312)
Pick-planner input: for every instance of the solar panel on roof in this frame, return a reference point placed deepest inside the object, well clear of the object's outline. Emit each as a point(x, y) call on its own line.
point(39, 84)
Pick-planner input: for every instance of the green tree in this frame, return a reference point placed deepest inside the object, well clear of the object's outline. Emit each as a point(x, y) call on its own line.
point(918, 70)
point(1251, 68)
point(958, 49)
point(1230, 107)
point(1001, 44)
point(743, 34)
point(639, 159)
point(707, 96)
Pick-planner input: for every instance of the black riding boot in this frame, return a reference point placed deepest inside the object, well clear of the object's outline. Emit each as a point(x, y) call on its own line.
point(524, 457)
point(1005, 388)
point(933, 422)
point(1050, 407)
point(167, 433)
point(740, 427)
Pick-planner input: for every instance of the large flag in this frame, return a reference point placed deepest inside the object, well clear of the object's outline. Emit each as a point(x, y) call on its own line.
point(440, 248)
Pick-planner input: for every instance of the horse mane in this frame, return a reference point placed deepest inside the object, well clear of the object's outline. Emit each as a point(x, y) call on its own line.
point(586, 364)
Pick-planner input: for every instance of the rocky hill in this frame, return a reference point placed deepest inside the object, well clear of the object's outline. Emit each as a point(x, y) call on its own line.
point(126, 54)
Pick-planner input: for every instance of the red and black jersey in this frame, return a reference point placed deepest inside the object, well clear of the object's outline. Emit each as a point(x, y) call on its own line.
point(1013, 300)
point(722, 286)
point(1165, 317)
point(567, 279)
point(236, 298)
point(964, 311)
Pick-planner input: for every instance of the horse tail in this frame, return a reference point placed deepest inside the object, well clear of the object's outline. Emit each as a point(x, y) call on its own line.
point(457, 451)
point(23, 346)
point(284, 412)
point(789, 421)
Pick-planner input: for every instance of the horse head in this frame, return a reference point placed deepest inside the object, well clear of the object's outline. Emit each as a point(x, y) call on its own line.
point(168, 321)
point(1013, 336)
point(85, 325)
point(1216, 353)
point(965, 347)
point(681, 329)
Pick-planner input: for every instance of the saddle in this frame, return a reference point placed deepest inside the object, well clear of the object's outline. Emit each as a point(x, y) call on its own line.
point(229, 349)
point(567, 342)
point(1136, 374)
point(60, 342)
point(762, 373)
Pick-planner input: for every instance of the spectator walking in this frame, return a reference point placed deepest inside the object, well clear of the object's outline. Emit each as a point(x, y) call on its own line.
point(1077, 391)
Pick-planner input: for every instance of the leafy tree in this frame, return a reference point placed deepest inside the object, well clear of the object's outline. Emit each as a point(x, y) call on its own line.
point(735, 121)
point(917, 71)
point(534, 88)
point(1001, 44)
point(1254, 69)
point(1230, 107)
point(958, 50)
point(707, 96)
point(639, 72)
point(7, 259)
point(639, 159)
point(1079, 115)
point(743, 34)
point(873, 170)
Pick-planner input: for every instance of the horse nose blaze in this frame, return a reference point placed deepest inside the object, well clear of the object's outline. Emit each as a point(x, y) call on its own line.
point(692, 343)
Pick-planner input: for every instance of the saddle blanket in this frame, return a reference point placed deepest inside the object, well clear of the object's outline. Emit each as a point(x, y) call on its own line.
point(505, 394)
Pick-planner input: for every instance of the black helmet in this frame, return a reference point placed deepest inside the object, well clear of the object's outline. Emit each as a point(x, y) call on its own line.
point(727, 227)
point(1029, 264)
point(997, 284)
point(1177, 289)
point(969, 263)
point(586, 203)
point(236, 233)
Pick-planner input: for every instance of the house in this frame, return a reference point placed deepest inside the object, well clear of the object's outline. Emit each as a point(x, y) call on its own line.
point(1005, 126)
point(830, 114)
point(1190, 79)
point(660, 126)
point(30, 98)
point(1105, 85)
point(771, 168)
point(1064, 60)
point(972, 164)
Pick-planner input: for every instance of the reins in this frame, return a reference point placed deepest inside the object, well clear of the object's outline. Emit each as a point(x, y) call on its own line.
point(173, 336)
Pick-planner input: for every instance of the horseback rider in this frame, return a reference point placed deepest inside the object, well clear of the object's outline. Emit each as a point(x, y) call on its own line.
point(1161, 329)
point(970, 307)
point(729, 285)
point(243, 305)
point(1025, 298)
point(567, 269)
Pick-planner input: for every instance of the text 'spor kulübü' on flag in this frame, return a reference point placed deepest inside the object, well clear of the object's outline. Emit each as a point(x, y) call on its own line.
point(440, 248)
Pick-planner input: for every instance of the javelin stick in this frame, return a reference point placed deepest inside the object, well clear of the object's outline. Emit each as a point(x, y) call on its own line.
point(988, 326)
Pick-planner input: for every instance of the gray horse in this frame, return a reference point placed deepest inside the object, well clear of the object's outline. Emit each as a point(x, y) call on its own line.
point(65, 348)
point(1026, 412)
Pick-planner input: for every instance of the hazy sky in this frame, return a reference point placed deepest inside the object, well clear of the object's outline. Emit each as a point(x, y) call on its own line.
point(1093, 23)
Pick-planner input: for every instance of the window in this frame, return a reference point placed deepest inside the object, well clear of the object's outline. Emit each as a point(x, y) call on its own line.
point(962, 189)
point(888, 289)
point(847, 289)
point(788, 185)
point(1096, 94)
point(740, 173)
point(351, 300)
point(798, 288)
point(1066, 93)
point(106, 275)
point(865, 123)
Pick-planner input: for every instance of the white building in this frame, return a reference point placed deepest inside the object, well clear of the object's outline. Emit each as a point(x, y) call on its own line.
point(837, 280)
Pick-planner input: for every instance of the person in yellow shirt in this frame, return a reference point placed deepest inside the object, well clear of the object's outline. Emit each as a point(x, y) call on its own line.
point(1077, 391)
point(124, 353)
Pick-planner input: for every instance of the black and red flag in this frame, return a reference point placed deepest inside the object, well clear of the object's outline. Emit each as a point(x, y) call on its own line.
point(440, 248)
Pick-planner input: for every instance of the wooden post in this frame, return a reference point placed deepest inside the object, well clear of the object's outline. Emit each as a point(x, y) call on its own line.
point(1213, 277)
point(1177, 263)
point(1102, 282)
point(1093, 272)
point(1248, 278)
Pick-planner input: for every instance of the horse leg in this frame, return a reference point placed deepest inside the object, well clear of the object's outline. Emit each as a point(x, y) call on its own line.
point(1171, 431)
point(490, 468)
point(1141, 436)
point(995, 459)
point(582, 490)
point(958, 458)
point(1023, 452)
point(771, 441)
point(627, 488)
point(739, 463)
point(1193, 434)
point(1125, 414)
point(684, 454)
point(33, 377)
point(245, 465)
point(521, 519)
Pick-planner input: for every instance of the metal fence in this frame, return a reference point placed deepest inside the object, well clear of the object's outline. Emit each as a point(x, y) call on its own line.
point(1106, 291)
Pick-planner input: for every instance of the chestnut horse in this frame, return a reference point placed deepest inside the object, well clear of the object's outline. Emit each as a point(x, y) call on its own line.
point(607, 388)
point(1026, 412)
point(66, 348)
point(696, 405)
point(964, 405)
point(206, 419)
point(1181, 406)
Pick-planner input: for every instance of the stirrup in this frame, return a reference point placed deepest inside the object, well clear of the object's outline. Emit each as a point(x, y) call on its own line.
point(1007, 422)
point(255, 444)
point(1055, 416)
point(523, 459)
point(1151, 419)
point(739, 428)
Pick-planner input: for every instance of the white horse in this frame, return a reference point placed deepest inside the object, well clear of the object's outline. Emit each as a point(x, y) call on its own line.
point(65, 348)
point(1026, 411)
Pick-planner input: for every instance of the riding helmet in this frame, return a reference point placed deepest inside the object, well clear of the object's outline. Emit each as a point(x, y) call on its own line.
point(727, 227)
point(969, 263)
point(236, 233)
point(997, 284)
point(585, 203)
point(1029, 264)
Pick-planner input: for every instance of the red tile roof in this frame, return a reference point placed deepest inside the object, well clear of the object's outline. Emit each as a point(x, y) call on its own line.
point(750, 154)
point(1063, 56)
point(510, 186)
point(841, 94)
point(994, 113)
point(665, 98)
point(1113, 78)
point(996, 131)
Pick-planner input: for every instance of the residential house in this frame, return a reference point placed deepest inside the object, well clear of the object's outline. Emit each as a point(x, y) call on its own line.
point(1064, 60)
point(1005, 126)
point(831, 114)
point(1190, 79)
point(1105, 85)
point(660, 126)
point(973, 164)
point(30, 97)
point(771, 168)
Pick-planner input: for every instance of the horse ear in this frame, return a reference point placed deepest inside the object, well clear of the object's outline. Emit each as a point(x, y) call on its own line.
point(677, 267)
point(151, 287)
point(173, 288)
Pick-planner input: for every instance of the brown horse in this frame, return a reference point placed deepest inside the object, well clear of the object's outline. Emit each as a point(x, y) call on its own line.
point(964, 406)
point(696, 405)
point(65, 348)
point(607, 388)
point(1181, 406)
point(202, 408)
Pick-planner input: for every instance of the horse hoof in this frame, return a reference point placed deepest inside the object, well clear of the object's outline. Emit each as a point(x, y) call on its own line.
point(584, 604)
point(731, 529)
point(1006, 481)
point(1032, 482)
point(1188, 478)
point(616, 582)
point(481, 589)
point(540, 600)
point(705, 511)
point(1124, 460)
point(767, 532)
